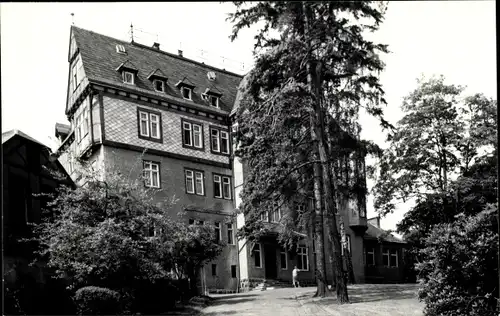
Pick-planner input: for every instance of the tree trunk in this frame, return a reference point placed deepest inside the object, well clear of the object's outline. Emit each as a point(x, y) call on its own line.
point(314, 86)
point(321, 280)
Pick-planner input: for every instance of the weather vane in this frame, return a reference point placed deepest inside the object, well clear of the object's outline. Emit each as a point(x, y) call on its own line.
point(72, 18)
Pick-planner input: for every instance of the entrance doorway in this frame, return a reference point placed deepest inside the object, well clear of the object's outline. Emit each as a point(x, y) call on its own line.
point(270, 261)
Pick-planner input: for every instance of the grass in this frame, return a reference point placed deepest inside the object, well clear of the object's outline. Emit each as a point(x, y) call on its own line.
point(372, 300)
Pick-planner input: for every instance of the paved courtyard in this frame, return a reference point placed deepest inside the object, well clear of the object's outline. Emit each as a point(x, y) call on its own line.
point(366, 299)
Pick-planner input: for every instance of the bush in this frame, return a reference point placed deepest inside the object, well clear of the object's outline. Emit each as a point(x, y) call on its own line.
point(93, 300)
point(158, 297)
point(458, 273)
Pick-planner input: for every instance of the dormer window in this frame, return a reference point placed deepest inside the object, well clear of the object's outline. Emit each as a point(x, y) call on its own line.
point(186, 93)
point(212, 96)
point(128, 77)
point(186, 88)
point(214, 101)
point(128, 71)
point(159, 85)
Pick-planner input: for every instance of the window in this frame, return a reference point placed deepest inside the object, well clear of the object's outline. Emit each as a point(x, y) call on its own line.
point(194, 182)
point(393, 260)
point(370, 256)
point(256, 255)
point(159, 85)
point(233, 271)
point(283, 259)
point(275, 216)
point(219, 140)
point(217, 232)
point(149, 125)
point(186, 93)
point(385, 257)
point(300, 207)
point(214, 101)
point(76, 73)
point(192, 135)
point(230, 237)
point(151, 174)
point(215, 140)
point(120, 49)
point(201, 223)
point(191, 221)
point(214, 269)
point(75, 77)
point(128, 77)
point(302, 258)
point(78, 128)
point(264, 216)
point(222, 187)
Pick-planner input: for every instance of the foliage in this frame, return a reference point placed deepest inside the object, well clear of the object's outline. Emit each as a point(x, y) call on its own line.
point(441, 136)
point(458, 264)
point(113, 234)
point(93, 300)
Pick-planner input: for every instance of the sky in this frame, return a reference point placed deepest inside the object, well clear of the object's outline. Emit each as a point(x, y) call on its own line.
point(454, 38)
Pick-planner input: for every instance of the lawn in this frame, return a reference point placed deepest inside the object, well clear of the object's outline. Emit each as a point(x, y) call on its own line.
point(371, 300)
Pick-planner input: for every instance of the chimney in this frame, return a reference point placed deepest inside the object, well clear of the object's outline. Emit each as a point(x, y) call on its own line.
point(156, 45)
point(179, 52)
point(375, 221)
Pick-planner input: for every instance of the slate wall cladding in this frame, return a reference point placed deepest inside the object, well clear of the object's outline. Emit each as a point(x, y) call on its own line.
point(120, 123)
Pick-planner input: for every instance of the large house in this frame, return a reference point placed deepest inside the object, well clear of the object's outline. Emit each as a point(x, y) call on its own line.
point(125, 97)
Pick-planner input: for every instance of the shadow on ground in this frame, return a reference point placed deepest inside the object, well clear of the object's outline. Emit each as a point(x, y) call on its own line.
point(373, 293)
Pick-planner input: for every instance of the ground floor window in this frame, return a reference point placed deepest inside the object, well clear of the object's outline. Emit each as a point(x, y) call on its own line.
point(283, 259)
point(370, 256)
point(233, 271)
point(302, 258)
point(390, 258)
point(214, 269)
point(256, 255)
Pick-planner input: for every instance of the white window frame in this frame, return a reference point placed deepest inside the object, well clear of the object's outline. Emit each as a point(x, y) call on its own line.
point(348, 242)
point(302, 252)
point(224, 139)
point(218, 231)
point(74, 75)
point(385, 252)
point(149, 170)
point(190, 96)
point(275, 216)
point(257, 248)
point(124, 76)
point(155, 81)
point(226, 181)
point(188, 126)
point(215, 136)
point(283, 251)
point(370, 252)
point(230, 232)
point(395, 254)
point(78, 128)
point(150, 119)
point(189, 175)
point(216, 98)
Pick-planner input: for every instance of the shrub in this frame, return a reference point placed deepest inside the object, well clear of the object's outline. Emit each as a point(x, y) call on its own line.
point(93, 300)
point(457, 275)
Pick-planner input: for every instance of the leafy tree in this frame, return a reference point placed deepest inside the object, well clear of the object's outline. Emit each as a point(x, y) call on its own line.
point(458, 264)
point(112, 234)
point(316, 58)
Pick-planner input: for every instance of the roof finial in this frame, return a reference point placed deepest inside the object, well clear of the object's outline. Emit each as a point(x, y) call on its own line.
point(72, 18)
point(131, 32)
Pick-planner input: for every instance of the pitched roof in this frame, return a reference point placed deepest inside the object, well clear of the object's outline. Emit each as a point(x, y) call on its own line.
point(373, 232)
point(100, 60)
point(6, 136)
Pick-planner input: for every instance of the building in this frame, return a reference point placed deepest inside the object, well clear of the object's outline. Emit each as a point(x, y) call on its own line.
point(29, 169)
point(384, 255)
point(125, 97)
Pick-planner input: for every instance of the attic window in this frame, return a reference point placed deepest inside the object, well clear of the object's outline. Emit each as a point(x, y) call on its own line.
point(186, 93)
point(128, 77)
point(214, 101)
point(159, 85)
point(120, 49)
